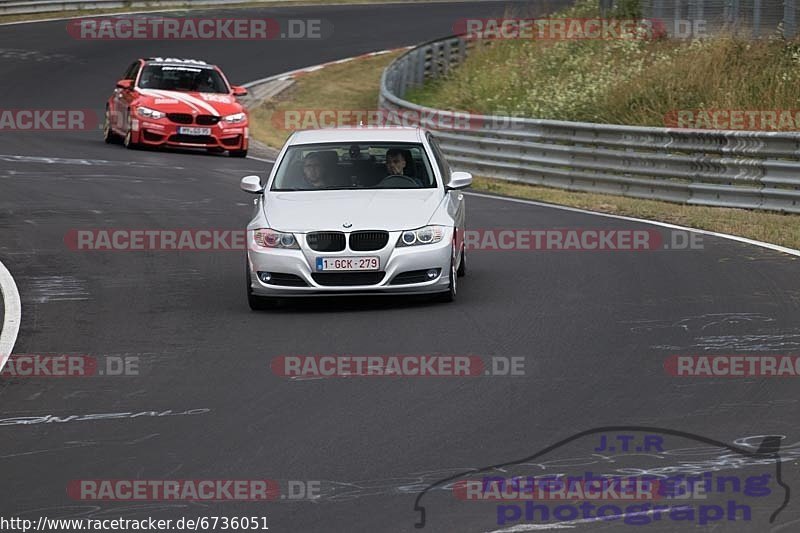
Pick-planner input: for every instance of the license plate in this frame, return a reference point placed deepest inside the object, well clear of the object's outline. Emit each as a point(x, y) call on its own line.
point(325, 264)
point(185, 130)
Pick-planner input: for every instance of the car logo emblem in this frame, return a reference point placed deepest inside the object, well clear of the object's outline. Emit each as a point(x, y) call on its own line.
point(347, 225)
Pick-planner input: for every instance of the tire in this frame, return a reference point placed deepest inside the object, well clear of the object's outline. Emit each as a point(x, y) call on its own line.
point(257, 303)
point(450, 294)
point(127, 140)
point(237, 153)
point(108, 134)
point(462, 268)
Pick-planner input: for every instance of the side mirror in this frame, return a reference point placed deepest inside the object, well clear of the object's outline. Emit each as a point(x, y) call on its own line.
point(124, 84)
point(239, 91)
point(251, 184)
point(459, 180)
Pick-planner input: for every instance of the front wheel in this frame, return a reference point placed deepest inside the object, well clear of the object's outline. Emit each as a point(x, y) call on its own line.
point(238, 153)
point(108, 134)
point(128, 141)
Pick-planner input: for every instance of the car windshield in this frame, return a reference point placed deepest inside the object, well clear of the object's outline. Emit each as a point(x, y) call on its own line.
point(182, 78)
point(354, 166)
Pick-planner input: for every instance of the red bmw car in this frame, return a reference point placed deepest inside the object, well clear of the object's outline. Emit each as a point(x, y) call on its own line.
point(177, 102)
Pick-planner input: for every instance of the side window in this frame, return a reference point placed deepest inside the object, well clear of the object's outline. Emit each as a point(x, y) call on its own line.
point(132, 71)
point(441, 162)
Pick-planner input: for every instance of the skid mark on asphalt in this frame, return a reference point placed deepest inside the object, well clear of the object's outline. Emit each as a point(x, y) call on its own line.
point(56, 289)
point(779, 342)
point(700, 322)
point(69, 445)
point(11, 54)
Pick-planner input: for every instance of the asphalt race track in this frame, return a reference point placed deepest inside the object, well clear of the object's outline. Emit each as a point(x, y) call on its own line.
point(593, 329)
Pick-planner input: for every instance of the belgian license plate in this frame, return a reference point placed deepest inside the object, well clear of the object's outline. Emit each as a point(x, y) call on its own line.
point(186, 130)
point(326, 264)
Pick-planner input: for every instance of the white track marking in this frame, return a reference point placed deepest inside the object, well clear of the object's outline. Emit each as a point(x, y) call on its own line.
point(12, 314)
point(260, 159)
point(770, 246)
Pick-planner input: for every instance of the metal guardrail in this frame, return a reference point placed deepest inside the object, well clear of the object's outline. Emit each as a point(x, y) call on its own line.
point(19, 7)
point(752, 170)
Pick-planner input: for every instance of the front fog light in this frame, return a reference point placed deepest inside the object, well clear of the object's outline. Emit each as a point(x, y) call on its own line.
point(432, 273)
point(265, 277)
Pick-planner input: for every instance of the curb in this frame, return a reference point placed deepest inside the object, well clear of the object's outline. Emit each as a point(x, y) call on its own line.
point(12, 314)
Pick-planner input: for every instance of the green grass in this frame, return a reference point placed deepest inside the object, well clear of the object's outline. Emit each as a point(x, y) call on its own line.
point(349, 86)
point(623, 81)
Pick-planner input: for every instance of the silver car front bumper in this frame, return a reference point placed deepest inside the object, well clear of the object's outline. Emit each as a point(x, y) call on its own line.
point(393, 261)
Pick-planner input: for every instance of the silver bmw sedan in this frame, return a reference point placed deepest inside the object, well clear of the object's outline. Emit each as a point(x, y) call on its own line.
point(363, 210)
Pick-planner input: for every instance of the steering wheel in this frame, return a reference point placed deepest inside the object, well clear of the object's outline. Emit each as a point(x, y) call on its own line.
point(397, 180)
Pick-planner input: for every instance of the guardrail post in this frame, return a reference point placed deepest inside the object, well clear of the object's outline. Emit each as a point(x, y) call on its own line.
point(756, 18)
point(419, 68)
point(789, 19)
point(446, 58)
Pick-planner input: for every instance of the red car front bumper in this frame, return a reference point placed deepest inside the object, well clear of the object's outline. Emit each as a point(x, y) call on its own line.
point(165, 133)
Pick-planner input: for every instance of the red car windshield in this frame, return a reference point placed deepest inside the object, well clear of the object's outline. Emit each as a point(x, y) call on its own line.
point(182, 78)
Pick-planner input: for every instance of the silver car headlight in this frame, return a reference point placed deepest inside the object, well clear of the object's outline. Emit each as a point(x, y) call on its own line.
point(426, 235)
point(268, 238)
point(146, 112)
point(235, 118)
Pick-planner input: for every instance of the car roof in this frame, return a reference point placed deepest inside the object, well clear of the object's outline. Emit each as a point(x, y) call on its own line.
point(358, 134)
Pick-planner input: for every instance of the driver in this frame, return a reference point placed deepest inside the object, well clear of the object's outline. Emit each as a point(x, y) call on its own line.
point(312, 171)
point(395, 162)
